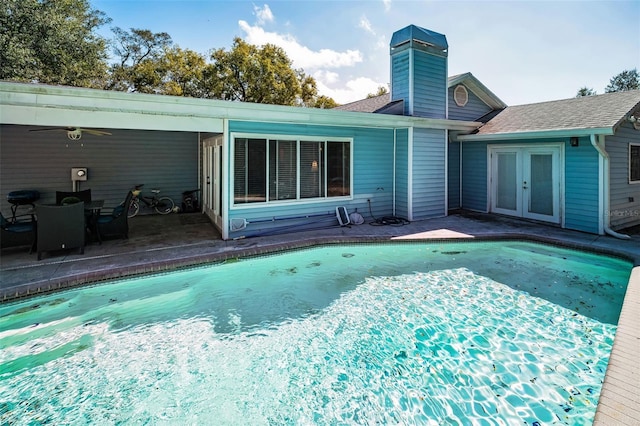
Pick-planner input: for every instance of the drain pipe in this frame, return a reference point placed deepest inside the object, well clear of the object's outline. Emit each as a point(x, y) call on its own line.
point(599, 146)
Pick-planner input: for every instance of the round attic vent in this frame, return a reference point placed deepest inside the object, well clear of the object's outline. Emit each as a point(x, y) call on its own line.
point(460, 95)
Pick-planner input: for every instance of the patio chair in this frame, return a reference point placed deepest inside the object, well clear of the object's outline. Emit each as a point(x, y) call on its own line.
point(115, 223)
point(60, 227)
point(66, 197)
point(18, 233)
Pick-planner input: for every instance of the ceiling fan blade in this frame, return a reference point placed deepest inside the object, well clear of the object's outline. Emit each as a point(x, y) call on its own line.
point(48, 129)
point(95, 132)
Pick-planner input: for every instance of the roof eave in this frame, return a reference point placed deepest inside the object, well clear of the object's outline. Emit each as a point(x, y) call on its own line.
point(479, 89)
point(538, 134)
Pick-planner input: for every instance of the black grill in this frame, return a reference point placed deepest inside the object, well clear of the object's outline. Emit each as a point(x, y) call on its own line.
point(21, 198)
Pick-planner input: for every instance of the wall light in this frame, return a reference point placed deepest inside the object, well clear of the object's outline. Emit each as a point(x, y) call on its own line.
point(575, 141)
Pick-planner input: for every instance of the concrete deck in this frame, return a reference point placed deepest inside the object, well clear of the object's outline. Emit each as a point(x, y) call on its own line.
point(159, 243)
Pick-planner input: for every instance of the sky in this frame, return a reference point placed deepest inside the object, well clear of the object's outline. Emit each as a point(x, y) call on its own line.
point(523, 51)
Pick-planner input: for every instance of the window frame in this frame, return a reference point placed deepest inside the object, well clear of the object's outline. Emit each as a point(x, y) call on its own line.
point(298, 200)
point(637, 146)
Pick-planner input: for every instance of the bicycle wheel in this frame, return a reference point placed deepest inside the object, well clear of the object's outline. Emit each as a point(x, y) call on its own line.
point(134, 208)
point(164, 205)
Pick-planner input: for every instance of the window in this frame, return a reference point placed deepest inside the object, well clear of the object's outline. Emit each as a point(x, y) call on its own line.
point(284, 169)
point(460, 95)
point(634, 163)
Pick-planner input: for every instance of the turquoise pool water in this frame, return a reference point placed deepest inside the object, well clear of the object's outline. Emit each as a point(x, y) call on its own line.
point(428, 333)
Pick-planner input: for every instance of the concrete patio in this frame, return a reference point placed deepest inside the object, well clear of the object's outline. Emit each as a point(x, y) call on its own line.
point(159, 243)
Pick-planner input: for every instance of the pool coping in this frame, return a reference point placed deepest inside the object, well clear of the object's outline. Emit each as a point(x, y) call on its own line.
point(619, 402)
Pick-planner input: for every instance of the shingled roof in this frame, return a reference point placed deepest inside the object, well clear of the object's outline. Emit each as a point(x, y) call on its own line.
point(589, 112)
point(367, 105)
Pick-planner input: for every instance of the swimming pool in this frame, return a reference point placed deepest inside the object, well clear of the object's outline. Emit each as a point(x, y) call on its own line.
point(431, 333)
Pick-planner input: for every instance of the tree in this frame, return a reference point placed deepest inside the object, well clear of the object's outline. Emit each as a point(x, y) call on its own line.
point(324, 102)
point(52, 42)
point(381, 91)
point(249, 73)
point(585, 91)
point(626, 80)
point(183, 72)
point(140, 67)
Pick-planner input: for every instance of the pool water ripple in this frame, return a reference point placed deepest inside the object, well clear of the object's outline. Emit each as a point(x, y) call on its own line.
point(446, 346)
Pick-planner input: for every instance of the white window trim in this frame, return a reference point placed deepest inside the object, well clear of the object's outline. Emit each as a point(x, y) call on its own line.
point(293, 137)
point(631, 182)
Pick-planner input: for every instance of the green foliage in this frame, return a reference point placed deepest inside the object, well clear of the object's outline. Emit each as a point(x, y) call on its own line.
point(183, 73)
point(626, 80)
point(381, 91)
point(585, 91)
point(249, 73)
point(324, 102)
point(140, 56)
point(52, 42)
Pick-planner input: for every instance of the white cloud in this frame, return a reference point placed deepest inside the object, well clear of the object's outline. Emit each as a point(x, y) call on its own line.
point(366, 25)
point(302, 56)
point(328, 77)
point(353, 90)
point(387, 5)
point(263, 14)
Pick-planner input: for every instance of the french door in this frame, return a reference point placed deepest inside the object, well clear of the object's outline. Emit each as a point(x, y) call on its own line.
point(526, 181)
point(212, 178)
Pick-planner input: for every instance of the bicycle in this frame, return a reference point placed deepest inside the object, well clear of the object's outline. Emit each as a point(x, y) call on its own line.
point(162, 205)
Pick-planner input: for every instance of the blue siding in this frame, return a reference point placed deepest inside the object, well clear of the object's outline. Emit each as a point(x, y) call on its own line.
point(372, 177)
point(474, 176)
point(581, 208)
point(581, 187)
point(428, 187)
point(430, 85)
point(402, 173)
point(474, 109)
point(400, 78)
point(453, 176)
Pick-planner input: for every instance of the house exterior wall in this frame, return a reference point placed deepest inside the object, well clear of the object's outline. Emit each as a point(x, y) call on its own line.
point(582, 207)
point(453, 176)
point(474, 176)
point(623, 212)
point(420, 79)
point(474, 109)
point(428, 173)
point(402, 173)
point(43, 160)
point(430, 85)
point(400, 78)
point(372, 179)
point(581, 180)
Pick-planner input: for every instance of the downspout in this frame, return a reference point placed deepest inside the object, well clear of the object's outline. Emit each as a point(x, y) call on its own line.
point(599, 146)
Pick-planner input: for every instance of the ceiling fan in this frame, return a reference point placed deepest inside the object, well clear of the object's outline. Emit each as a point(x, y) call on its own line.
point(74, 133)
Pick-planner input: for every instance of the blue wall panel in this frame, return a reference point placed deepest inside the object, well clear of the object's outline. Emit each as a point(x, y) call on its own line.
point(400, 78)
point(474, 109)
point(430, 85)
point(453, 176)
point(372, 177)
point(474, 176)
point(402, 173)
point(581, 187)
point(428, 185)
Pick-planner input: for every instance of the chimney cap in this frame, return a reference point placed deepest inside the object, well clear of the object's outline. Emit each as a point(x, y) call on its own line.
point(420, 35)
